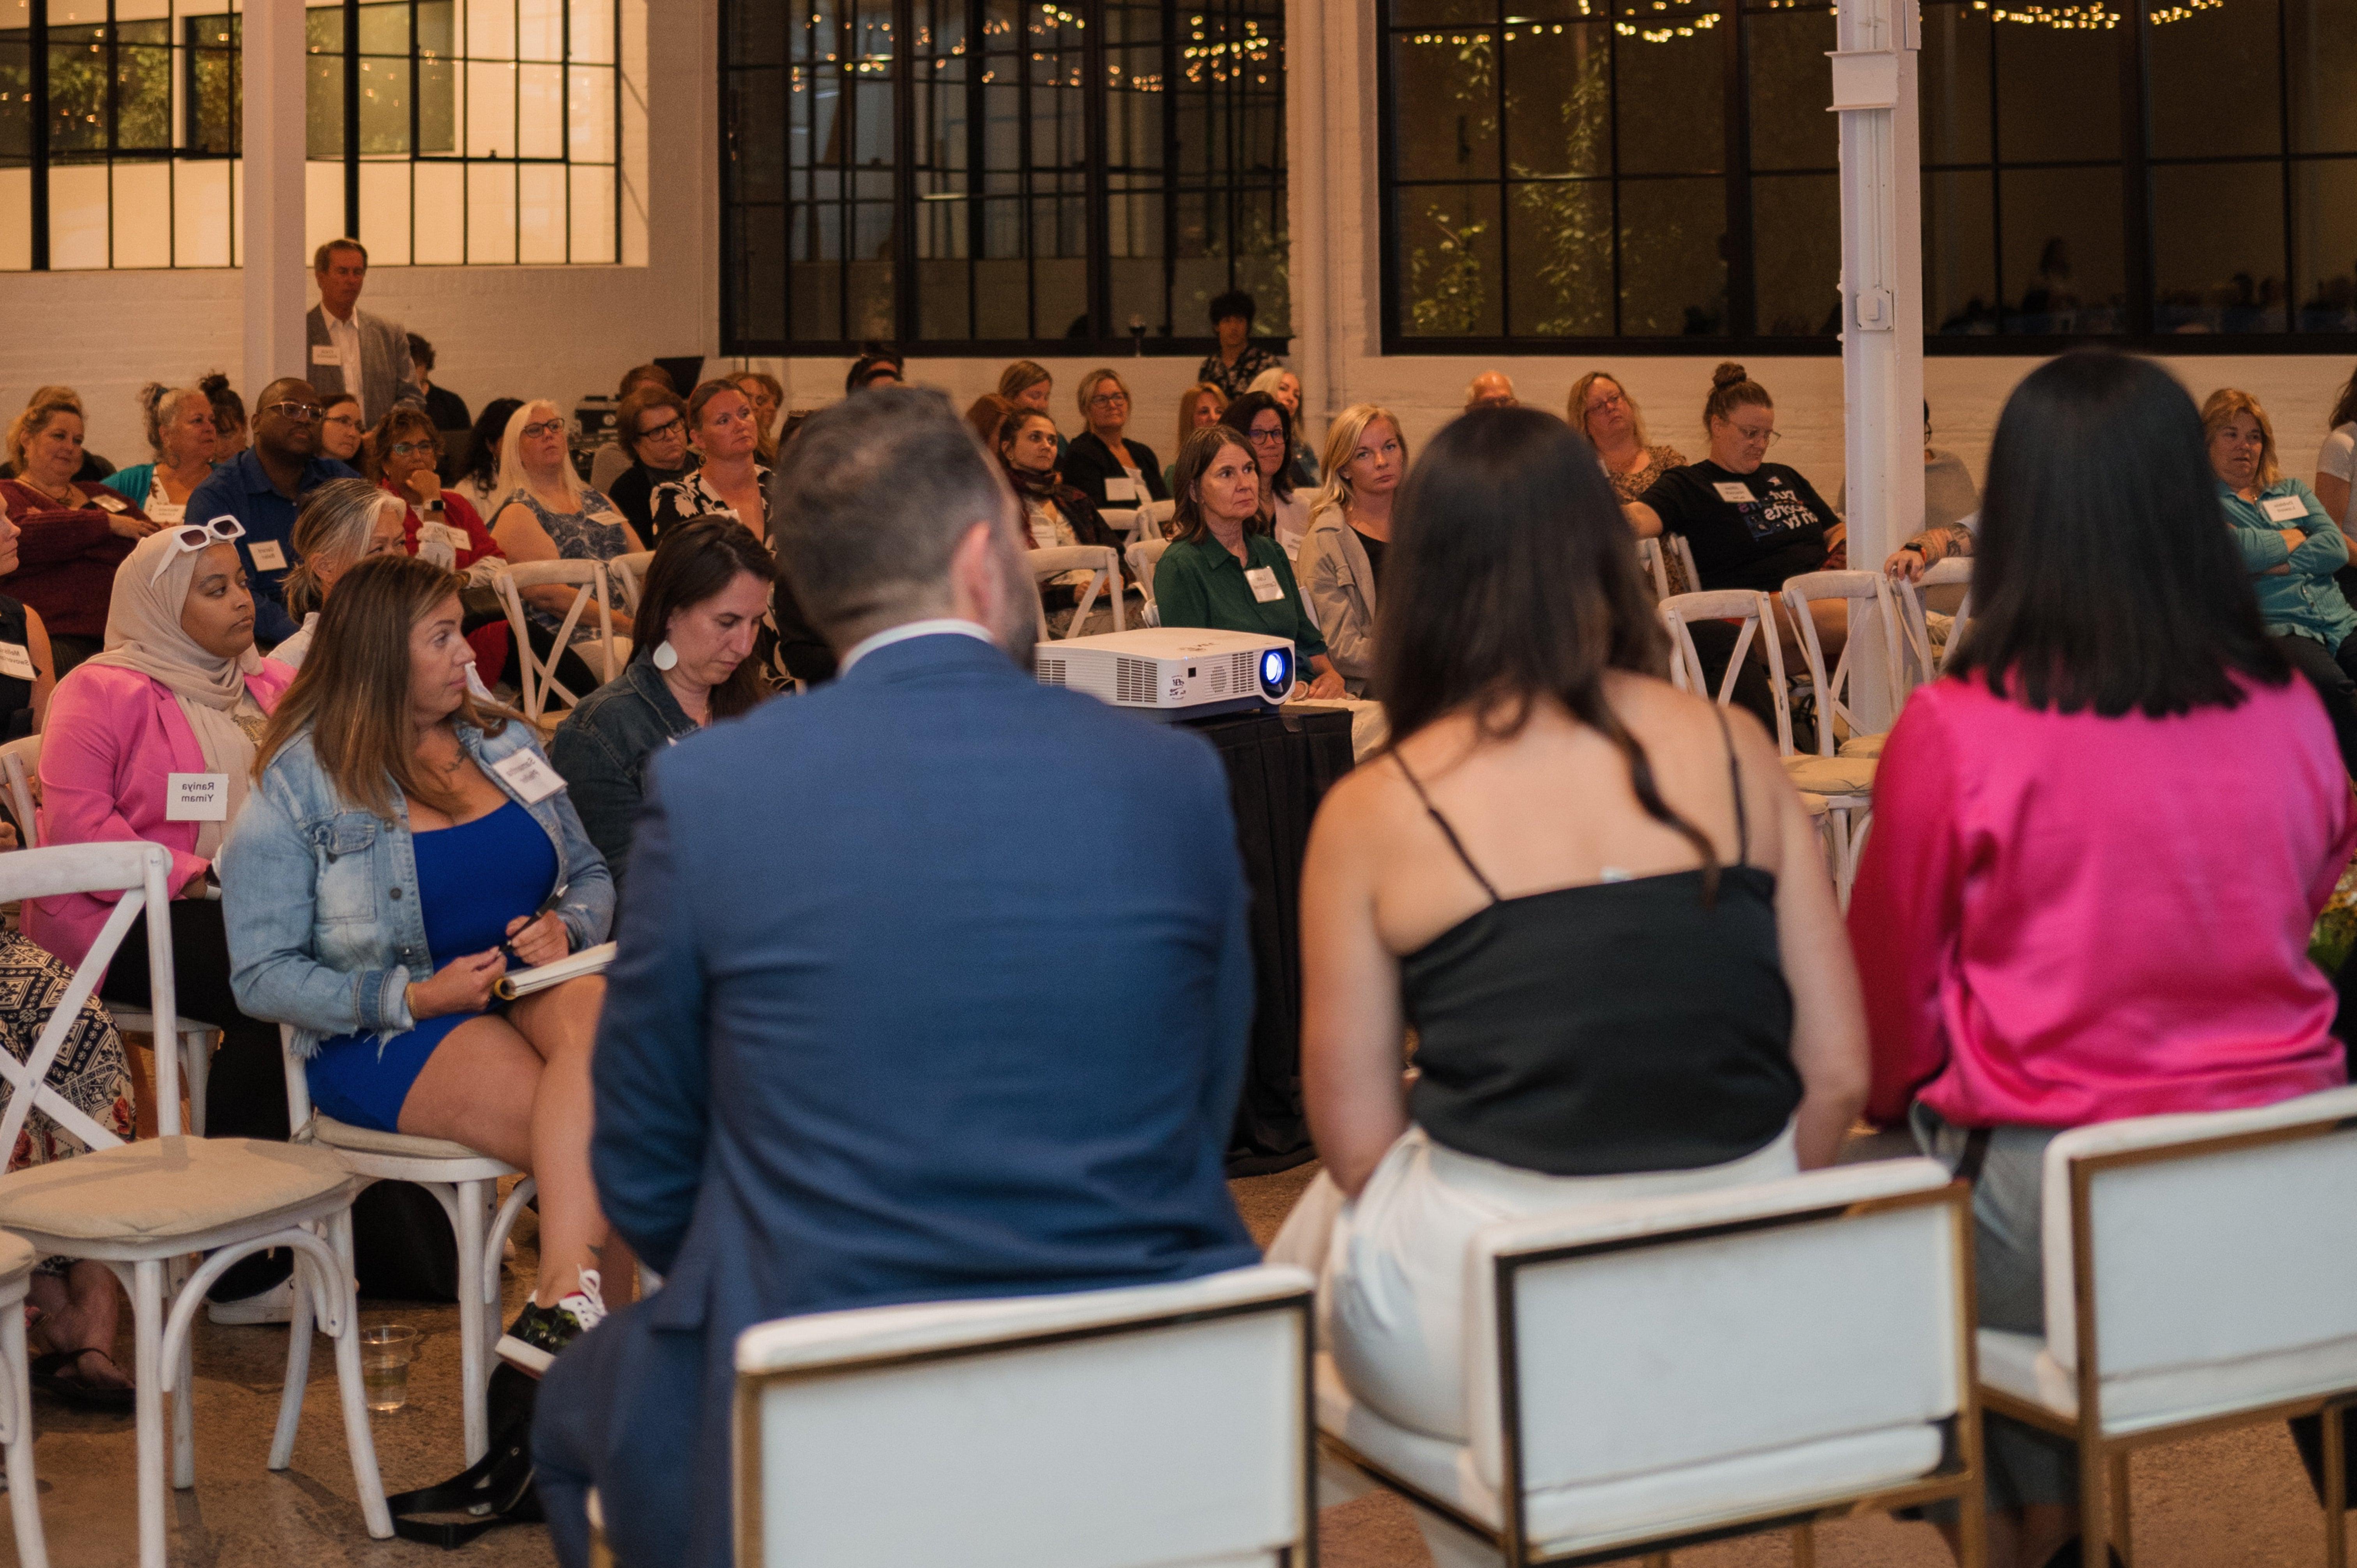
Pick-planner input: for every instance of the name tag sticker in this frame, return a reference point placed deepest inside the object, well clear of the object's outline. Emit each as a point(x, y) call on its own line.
point(326, 354)
point(529, 777)
point(267, 554)
point(107, 500)
point(1264, 584)
point(1123, 489)
point(196, 798)
point(16, 663)
point(2283, 509)
point(1736, 494)
point(442, 533)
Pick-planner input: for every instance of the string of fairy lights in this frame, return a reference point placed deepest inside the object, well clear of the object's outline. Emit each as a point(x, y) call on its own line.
point(2062, 18)
point(1204, 59)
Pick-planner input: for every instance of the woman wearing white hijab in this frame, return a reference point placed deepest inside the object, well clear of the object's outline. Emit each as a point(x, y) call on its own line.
point(154, 739)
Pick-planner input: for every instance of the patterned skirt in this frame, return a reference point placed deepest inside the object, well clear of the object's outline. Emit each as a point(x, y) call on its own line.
point(91, 1072)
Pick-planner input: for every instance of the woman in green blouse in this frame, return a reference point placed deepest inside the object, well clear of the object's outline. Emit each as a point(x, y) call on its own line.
point(1223, 570)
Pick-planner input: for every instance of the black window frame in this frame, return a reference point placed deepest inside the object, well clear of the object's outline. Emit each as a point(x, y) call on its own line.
point(1107, 338)
point(2138, 237)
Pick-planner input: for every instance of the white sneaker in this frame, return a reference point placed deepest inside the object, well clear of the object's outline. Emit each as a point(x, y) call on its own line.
point(275, 1304)
point(541, 1333)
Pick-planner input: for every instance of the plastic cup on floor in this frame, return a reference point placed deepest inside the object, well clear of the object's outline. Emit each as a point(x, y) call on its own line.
point(386, 1350)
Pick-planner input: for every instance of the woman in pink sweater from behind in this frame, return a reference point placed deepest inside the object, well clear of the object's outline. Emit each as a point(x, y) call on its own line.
point(2099, 844)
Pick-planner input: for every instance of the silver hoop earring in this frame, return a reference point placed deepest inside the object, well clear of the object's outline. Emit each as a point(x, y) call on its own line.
point(666, 656)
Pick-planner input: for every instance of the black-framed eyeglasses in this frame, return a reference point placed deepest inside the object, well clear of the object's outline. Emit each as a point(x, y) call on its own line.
point(301, 413)
point(413, 448)
point(1109, 400)
point(1265, 437)
point(545, 427)
point(675, 425)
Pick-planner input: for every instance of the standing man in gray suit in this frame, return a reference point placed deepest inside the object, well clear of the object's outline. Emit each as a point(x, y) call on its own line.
point(353, 352)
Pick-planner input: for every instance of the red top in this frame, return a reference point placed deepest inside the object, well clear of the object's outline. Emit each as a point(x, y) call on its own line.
point(2062, 919)
point(67, 557)
point(456, 513)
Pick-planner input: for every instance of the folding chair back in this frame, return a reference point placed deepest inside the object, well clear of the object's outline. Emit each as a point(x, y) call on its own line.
point(1144, 558)
point(1923, 662)
point(1870, 590)
point(138, 871)
point(1100, 559)
point(587, 580)
point(1649, 560)
point(20, 763)
point(1161, 1424)
point(628, 575)
point(1680, 611)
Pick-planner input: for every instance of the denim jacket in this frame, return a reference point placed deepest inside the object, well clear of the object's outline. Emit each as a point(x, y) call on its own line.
point(320, 897)
point(602, 750)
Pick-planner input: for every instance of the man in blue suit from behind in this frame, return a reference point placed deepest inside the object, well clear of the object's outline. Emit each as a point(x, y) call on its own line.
point(934, 984)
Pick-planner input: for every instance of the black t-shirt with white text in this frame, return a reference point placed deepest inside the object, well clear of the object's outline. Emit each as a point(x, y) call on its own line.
point(1747, 530)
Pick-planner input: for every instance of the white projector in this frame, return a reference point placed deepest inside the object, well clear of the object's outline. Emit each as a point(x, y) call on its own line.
point(1172, 672)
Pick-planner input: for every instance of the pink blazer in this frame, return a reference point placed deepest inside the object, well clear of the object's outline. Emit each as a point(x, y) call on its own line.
point(111, 736)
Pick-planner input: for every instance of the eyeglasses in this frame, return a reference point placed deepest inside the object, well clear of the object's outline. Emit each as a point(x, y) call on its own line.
point(1110, 400)
point(345, 419)
point(1609, 400)
point(1758, 437)
point(1265, 437)
point(301, 413)
point(411, 448)
point(670, 427)
point(197, 536)
point(545, 427)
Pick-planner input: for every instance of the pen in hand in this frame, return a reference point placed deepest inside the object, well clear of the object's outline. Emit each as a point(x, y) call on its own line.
point(555, 896)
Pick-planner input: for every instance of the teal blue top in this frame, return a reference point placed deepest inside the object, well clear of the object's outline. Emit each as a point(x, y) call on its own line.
point(1197, 582)
point(2303, 601)
point(131, 483)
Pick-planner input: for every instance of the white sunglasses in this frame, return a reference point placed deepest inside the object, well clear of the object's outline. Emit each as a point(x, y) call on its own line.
point(197, 536)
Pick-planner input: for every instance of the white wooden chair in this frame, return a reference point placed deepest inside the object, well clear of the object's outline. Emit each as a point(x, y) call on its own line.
point(1144, 558)
point(1646, 1375)
point(2201, 1273)
point(20, 761)
point(143, 1207)
point(1160, 1425)
point(1923, 661)
point(465, 1183)
point(1100, 559)
point(17, 1262)
point(627, 574)
point(1688, 674)
point(604, 652)
point(1844, 767)
point(1649, 560)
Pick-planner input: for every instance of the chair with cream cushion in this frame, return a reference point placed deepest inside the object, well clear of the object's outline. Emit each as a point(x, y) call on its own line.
point(141, 1207)
point(1161, 1425)
point(16, 1260)
point(606, 651)
point(1868, 596)
point(20, 761)
point(1102, 561)
point(465, 1183)
point(1645, 1375)
point(2201, 1273)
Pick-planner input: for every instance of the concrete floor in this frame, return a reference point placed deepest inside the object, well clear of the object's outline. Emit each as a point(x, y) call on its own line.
point(2219, 1502)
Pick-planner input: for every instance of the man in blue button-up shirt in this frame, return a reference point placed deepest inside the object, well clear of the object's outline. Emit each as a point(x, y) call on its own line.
point(263, 487)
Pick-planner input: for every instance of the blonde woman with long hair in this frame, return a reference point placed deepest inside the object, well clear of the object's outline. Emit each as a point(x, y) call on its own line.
point(1350, 530)
point(1601, 409)
point(546, 513)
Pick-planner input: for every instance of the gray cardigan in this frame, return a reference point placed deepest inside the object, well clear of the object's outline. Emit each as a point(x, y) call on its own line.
point(1339, 582)
point(386, 376)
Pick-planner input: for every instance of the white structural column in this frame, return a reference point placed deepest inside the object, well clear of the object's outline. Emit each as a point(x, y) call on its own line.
point(272, 190)
point(1308, 267)
point(1882, 295)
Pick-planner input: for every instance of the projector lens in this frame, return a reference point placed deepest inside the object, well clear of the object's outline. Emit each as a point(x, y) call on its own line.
point(1276, 673)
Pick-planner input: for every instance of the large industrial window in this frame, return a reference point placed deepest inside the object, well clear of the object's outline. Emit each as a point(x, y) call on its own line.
point(985, 176)
point(1633, 171)
point(437, 131)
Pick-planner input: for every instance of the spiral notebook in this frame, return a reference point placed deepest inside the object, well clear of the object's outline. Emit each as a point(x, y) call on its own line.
point(525, 982)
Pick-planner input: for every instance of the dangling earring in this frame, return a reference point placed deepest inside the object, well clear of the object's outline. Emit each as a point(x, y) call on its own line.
point(666, 656)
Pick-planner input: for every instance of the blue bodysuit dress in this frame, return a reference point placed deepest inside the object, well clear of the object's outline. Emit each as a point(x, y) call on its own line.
point(472, 879)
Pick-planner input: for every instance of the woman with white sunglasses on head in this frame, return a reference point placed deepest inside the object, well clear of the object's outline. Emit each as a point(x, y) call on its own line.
point(155, 739)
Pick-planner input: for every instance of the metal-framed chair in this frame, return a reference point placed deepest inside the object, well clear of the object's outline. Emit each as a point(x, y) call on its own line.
point(1165, 1424)
point(2201, 1273)
point(465, 1183)
point(1658, 1373)
point(143, 1207)
point(537, 678)
point(1099, 559)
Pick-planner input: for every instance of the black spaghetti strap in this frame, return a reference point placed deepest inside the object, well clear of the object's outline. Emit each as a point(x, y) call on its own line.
point(1446, 830)
point(1735, 782)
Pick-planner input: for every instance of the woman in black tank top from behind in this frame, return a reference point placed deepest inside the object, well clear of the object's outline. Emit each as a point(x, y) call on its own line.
point(1593, 1042)
point(1627, 1025)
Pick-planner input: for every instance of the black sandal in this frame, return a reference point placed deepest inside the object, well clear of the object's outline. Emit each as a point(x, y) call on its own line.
point(59, 1375)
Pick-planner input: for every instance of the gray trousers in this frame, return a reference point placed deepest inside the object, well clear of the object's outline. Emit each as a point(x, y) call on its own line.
point(2025, 1465)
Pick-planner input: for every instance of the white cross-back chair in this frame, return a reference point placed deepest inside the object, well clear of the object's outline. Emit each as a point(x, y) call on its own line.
point(1099, 559)
point(1844, 767)
point(20, 761)
point(1688, 674)
point(465, 1183)
point(2201, 1273)
point(141, 1207)
point(1923, 662)
point(1656, 1373)
point(604, 652)
point(628, 575)
point(1144, 558)
point(1165, 1425)
point(16, 1262)
point(1657, 573)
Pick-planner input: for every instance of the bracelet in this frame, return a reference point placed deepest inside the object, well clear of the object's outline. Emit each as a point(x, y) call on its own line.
point(1919, 550)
